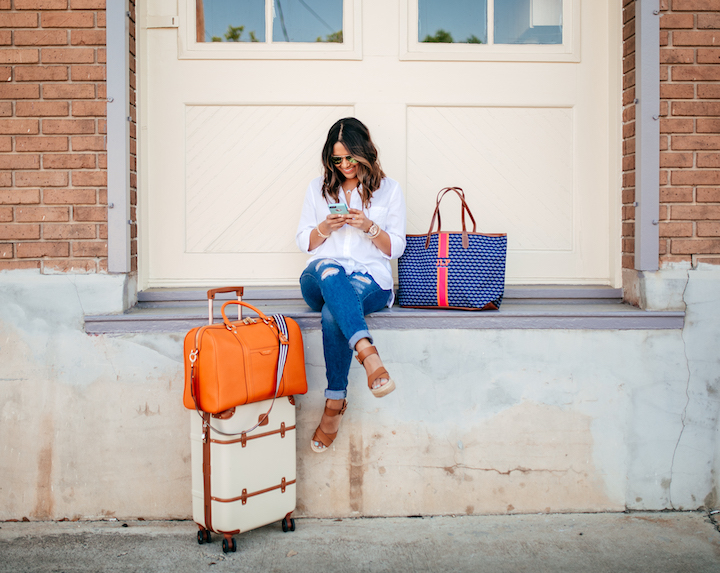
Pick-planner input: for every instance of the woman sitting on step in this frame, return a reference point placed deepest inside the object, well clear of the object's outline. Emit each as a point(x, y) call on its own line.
point(352, 225)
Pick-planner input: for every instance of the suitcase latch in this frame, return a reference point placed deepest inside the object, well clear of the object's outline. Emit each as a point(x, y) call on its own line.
point(244, 496)
point(282, 485)
point(282, 430)
point(243, 441)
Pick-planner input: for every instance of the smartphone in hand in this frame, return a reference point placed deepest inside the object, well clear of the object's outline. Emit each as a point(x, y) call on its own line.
point(338, 209)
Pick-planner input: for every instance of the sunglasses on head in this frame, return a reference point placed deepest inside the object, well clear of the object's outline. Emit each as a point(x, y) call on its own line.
point(337, 159)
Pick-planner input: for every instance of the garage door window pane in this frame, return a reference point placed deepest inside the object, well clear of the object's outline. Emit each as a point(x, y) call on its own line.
point(452, 21)
point(230, 20)
point(308, 21)
point(528, 21)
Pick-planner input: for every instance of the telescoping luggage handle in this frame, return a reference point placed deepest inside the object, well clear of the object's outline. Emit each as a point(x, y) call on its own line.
point(283, 343)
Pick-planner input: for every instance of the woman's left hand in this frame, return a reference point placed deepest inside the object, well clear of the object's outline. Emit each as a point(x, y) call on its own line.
point(358, 220)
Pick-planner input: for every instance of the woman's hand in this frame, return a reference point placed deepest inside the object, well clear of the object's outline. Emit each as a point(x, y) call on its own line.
point(357, 219)
point(332, 223)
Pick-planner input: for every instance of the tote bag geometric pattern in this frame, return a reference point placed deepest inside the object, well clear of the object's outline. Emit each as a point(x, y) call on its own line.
point(463, 270)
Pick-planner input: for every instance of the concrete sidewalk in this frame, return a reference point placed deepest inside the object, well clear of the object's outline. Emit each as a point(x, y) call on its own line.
point(634, 542)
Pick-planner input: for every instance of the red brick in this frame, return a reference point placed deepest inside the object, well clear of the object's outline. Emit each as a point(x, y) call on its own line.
point(69, 196)
point(5, 5)
point(102, 232)
point(5, 179)
point(676, 195)
point(676, 125)
point(67, 20)
point(70, 231)
point(5, 143)
point(707, 260)
point(5, 38)
point(102, 161)
point(89, 178)
point(68, 126)
point(40, 38)
point(675, 21)
point(68, 161)
point(695, 212)
point(89, 108)
point(16, 231)
point(69, 91)
point(695, 73)
point(6, 214)
point(676, 229)
point(101, 19)
point(709, 91)
point(88, 143)
point(41, 108)
point(695, 5)
point(6, 250)
point(696, 108)
point(695, 246)
point(41, 143)
point(87, 4)
point(42, 214)
point(705, 177)
point(676, 160)
point(677, 56)
point(708, 21)
point(696, 39)
point(68, 56)
point(19, 126)
point(5, 73)
point(40, 4)
point(87, 37)
point(89, 249)
point(102, 94)
point(19, 91)
point(42, 249)
point(19, 56)
point(708, 125)
point(70, 265)
point(708, 56)
point(102, 56)
point(708, 159)
point(24, 161)
point(695, 142)
point(708, 229)
point(17, 265)
point(19, 196)
point(41, 73)
point(87, 73)
point(677, 91)
point(41, 179)
point(18, 20)
point(708, 195)
point(98, 214)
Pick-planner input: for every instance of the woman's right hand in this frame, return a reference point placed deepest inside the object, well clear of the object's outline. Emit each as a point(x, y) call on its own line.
point(331, 223)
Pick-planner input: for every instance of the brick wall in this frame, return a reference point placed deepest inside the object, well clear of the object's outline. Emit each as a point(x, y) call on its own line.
point(689, 132)
point(53, 160)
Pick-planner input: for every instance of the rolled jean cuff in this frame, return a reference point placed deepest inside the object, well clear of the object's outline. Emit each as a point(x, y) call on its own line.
point(335, 394)
point(359, 335)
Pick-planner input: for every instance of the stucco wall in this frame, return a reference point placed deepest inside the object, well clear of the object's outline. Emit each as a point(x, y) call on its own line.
point(483, 421)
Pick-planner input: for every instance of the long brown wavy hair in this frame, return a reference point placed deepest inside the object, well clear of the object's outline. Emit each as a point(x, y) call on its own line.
point(353, 134)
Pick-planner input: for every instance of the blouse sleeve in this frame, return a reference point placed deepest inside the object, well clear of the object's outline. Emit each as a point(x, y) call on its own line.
point(395, 224)
point(308, 221)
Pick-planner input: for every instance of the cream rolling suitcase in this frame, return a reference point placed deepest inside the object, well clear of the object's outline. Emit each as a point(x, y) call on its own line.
point(243, 463)
point(245, 481)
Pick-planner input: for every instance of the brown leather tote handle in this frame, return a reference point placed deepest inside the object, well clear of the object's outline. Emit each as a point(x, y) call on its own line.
point(463, 208)
point(226, 320)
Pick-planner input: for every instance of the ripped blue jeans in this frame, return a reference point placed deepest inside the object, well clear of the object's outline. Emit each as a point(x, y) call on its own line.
point(343, 300)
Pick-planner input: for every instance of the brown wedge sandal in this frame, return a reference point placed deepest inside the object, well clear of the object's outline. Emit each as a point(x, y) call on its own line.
point(386, 388)
point(320, 436)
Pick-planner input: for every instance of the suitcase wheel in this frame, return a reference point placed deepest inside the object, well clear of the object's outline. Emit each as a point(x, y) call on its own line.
point(203, 536)
point(229, 546)
point(288, 524)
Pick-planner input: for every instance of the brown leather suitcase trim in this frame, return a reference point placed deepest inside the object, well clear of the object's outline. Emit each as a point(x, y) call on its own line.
point(243, 439)
point(245, 495)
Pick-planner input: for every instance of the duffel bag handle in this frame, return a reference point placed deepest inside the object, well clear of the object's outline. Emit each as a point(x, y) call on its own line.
point(226, 320)
point(463, 208)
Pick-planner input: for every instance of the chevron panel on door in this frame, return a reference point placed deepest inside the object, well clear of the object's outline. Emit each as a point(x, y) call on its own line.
point(514, 164)
point(247, 168)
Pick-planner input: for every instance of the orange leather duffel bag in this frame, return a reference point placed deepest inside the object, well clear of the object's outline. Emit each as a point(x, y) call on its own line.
point(229, 364)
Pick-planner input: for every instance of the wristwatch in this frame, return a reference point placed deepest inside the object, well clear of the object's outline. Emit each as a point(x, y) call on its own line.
point(373, 231)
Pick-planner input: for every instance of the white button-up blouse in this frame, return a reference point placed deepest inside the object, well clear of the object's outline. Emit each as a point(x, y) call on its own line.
point(349, 246)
